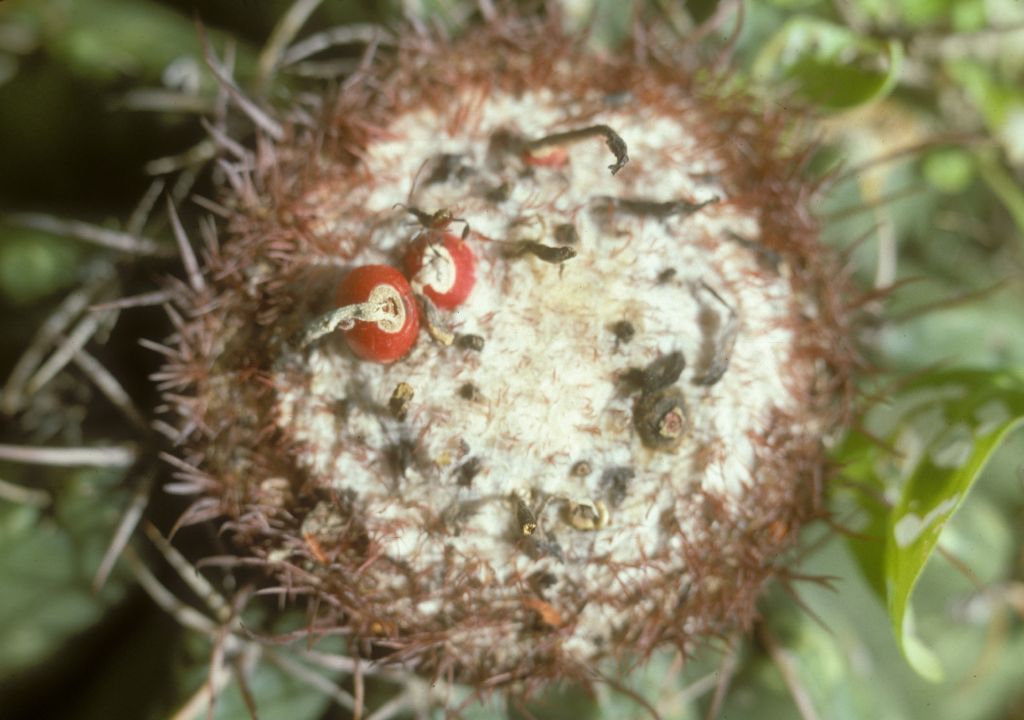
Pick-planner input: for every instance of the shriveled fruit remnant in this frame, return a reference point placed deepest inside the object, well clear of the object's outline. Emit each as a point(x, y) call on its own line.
point(586, 453)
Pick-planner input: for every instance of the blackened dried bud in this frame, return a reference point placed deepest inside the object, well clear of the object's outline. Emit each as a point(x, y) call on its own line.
point(401, 456)
point(566, 234)
point(398, 405)
point(455, 516)
point(663, 372)
point(660, 418)
point(651, 208)
point(719, 336)
point(499, 193)
point(446, 166)
point(615, 143)
point(616, 481)
point(537, 547)
point(503, 142)
point(342, 408)
point(547, 253)
point(720, 356)
point(541, 581)
point(470, 392)
point(631, 380)
point(665, 275)
point(767, 258)
point(624, 331)
point(468, 470)
point(470, 342)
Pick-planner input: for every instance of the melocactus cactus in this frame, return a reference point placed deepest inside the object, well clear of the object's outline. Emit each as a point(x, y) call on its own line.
point(609, 444)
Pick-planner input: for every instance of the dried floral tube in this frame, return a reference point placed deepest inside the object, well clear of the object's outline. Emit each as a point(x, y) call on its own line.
point(592, 457)
point(375, 312)
point(443, 266)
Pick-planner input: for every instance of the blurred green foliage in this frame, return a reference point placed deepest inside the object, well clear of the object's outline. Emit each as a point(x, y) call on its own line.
point(47, 560)
point(944, 427)
point(936, 86)
point(829, 65)
point(34, 265)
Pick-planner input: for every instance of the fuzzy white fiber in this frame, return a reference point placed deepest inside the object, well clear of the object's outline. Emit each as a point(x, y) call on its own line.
point(550, 378)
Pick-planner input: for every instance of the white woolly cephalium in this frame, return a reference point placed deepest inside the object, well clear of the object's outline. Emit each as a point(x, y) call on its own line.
point(607, 446)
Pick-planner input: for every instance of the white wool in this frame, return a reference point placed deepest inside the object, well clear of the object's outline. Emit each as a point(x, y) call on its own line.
point(547, 375)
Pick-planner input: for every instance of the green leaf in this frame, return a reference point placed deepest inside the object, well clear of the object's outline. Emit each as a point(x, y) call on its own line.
point(980, 333)
point(47, 565)
point(829, 64)
point(1004, 186)
point(796, 4)
point(1000, 102)
point(556, 701)
point(34, 264)
point(944, 428)
point(276, 677)
point(821, 658)
point(109, 40)
point(921, 13)
point(612, 23)
point(949, 170)
point(278, 696)
point(969, 16)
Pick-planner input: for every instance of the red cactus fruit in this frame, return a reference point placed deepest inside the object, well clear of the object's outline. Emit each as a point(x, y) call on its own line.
point(444, 266)
point(386, 320)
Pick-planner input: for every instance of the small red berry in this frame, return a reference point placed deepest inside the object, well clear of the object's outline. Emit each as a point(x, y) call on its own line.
point(386, 317)
point(444, 266)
